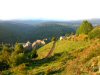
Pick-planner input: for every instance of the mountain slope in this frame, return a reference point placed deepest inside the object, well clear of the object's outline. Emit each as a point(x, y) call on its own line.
point(67, 56)
point(10, 32)
point(70, 57)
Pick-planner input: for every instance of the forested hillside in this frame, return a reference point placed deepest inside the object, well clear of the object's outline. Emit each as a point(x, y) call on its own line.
point(11, 32)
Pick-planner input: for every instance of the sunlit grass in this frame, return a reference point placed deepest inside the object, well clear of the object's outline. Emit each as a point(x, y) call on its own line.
point(61, 46)
point(66, 51)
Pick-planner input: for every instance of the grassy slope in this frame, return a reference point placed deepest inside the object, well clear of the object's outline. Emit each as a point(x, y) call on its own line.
point(62, 46)
point(64, 51)
point(64, 59)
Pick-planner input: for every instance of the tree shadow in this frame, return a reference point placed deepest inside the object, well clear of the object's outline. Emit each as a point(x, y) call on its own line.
point(44, 61)
point(56, 72)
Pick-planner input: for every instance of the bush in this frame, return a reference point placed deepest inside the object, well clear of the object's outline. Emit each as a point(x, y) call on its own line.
point(17, 59)
point(19, 48)
point(6, 72)
point(19, 70)
point(6, 48)
point(6, 52)
point(84, 28)
point(33, 54)
point(4, 58)
point(54, 39)
point(95, 33)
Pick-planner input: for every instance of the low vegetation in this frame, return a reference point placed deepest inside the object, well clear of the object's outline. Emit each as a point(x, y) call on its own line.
point(95, 33)
point(73, 55)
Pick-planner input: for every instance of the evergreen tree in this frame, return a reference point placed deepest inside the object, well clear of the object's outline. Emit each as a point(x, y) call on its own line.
point(84, 28)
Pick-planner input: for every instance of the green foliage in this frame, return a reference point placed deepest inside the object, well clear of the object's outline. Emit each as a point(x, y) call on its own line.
point(10, 57)
point(95, 33)
point(6, 48)
point(6, 72)
point(55, 64)
point(17, 59)
point(67, 54)
point(54, 39)
point(12, 32)
point(18, 48)
point(4, 57)
point(84, 28)
point(33, 54)
point(18, 56)
point(19, 70)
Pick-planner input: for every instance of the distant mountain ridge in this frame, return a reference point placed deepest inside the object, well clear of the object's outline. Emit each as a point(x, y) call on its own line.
point(24, 30)
point(11, 32)
point(95, 21)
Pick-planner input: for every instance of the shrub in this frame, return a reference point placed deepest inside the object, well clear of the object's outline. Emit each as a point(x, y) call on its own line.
point(5, 54)
point(54, 39)
point(95, 33)
point(6, 72)
point(19, 48)
point(84, 28)
point(4, 58)
point(19, 69)
point(17, 59)
point(6, 48)
point(33, 54)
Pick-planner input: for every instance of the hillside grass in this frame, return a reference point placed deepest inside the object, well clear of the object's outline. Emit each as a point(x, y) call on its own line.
point(65, 52)
point(64, 59)
point(62, 46)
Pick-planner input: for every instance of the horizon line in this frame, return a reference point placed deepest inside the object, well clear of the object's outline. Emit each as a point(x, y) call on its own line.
point(20, 19)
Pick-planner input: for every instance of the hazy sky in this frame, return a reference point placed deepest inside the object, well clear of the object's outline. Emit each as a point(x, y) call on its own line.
point(49, 9)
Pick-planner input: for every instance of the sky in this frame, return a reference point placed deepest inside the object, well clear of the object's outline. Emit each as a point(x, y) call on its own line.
point(49, 9)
